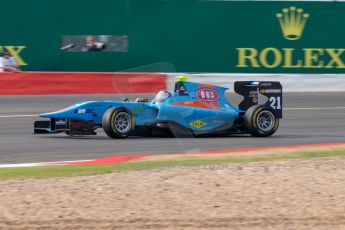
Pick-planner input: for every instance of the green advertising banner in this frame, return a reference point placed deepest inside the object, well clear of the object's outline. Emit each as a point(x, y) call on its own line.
point(176, 36)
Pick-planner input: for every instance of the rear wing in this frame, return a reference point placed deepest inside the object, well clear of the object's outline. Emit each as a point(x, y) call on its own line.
point(250, 91)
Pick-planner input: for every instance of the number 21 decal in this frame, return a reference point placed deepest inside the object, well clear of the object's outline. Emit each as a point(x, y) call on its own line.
point(275, 102)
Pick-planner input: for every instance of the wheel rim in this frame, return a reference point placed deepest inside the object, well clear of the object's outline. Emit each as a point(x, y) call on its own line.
point(265, 121)
point(122, 122)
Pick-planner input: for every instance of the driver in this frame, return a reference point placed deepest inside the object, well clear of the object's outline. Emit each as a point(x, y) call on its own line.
point(162, 96)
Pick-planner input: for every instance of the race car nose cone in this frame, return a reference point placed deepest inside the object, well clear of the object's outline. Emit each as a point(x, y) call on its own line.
point(48, 115)
point(56, 114)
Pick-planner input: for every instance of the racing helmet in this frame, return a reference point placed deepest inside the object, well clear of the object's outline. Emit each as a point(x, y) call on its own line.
point(161, 96)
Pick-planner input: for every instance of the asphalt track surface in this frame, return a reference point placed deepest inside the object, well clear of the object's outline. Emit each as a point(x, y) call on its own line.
point(308, 118)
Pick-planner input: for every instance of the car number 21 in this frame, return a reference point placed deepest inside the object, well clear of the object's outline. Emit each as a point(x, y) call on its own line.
point(275, 102)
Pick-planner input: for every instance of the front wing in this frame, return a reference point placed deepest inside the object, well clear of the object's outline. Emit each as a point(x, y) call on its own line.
point(67, 126)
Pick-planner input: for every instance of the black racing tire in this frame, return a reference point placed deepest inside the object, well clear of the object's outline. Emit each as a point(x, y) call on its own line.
point(261, 121)
point(118, 122)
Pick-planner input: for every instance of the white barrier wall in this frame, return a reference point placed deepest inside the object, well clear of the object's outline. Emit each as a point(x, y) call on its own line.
point(290, 82)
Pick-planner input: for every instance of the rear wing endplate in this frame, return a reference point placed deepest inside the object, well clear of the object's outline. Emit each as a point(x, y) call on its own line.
point(250, 91)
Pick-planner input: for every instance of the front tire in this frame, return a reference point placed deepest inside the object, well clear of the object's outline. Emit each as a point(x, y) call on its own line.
point(118, 122)
point(261, 121)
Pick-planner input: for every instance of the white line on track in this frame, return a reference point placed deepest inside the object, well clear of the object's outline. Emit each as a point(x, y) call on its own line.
point(24, 165)
point(315, 108)
point(21, 165)
point(18, 116)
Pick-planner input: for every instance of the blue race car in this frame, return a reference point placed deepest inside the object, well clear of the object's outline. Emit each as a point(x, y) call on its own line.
point(193, 109)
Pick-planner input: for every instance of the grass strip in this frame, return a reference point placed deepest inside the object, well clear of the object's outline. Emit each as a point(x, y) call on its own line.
point(83, 170)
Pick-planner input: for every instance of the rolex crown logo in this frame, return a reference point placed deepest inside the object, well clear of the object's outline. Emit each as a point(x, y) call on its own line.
point(292, 21)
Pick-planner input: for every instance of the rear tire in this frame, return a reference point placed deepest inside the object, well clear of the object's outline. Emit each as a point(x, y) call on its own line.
point(118, 122)
point(261, 121)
